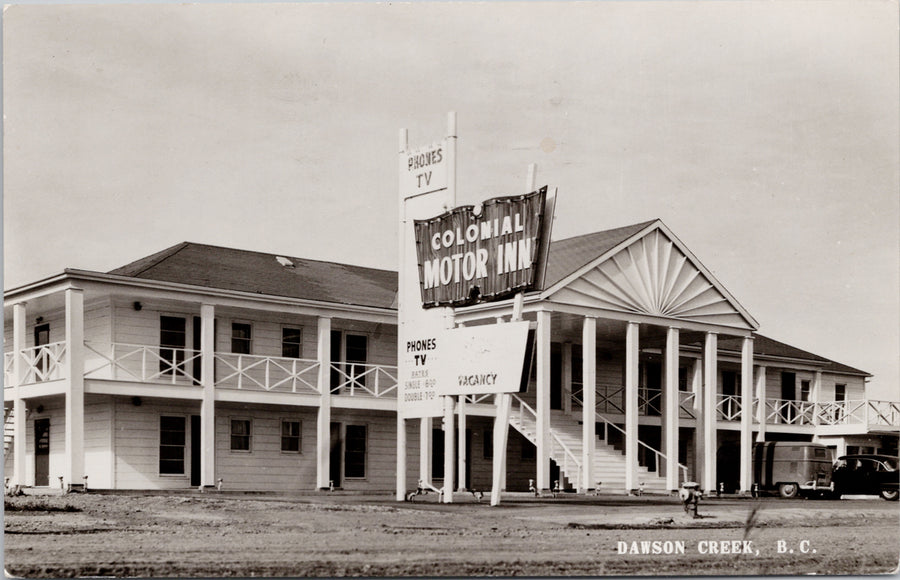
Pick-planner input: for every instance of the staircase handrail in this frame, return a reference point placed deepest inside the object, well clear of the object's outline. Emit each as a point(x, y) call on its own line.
point(567, 453)
point(659, 454)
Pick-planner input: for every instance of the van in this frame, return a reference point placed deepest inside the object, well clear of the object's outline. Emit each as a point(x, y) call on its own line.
point(792, 468)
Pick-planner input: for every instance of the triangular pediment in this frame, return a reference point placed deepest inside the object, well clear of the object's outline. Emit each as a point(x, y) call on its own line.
point(652, 273)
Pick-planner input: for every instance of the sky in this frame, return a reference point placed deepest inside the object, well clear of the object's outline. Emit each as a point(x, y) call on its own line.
point(766, 135)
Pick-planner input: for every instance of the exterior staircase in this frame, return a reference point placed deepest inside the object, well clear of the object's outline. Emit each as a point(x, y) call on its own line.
point(566, 450)
point(8, 429)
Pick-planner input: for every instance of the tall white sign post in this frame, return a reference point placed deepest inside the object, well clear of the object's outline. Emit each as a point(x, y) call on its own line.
point(427, 188)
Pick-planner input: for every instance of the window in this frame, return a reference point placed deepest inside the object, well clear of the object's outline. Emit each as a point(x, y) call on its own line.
point(488, 443)
point(840, 392)
point(291, 342)
point(682, 379)
point(171, 445)
point(171, 344)
point(356, 352)
point(347, 349)
point(355, 451)
point(240, 435)
point(240, 338)
point(290, 436)
point(804, 391)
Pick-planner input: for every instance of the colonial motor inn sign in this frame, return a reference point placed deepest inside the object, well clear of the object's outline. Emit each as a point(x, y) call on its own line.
point(465, 258)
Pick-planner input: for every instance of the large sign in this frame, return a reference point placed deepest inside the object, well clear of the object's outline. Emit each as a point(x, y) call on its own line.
point(466, 258)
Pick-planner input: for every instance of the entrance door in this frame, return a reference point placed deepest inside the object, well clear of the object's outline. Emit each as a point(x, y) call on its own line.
point(788, 393)
point(555, 376)
point(41, 452)
point(336, 456)
point(196, 450)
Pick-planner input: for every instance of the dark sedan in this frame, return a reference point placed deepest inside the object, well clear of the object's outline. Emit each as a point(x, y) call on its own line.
point(866, 475)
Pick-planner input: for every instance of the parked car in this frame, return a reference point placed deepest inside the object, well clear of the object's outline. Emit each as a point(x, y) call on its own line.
point(792, 468)
point(867, 475)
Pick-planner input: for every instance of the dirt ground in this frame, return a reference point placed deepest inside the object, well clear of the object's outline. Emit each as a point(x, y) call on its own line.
point(327, 535)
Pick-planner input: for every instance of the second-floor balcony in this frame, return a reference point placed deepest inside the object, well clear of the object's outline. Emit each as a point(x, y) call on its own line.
point(175, 366)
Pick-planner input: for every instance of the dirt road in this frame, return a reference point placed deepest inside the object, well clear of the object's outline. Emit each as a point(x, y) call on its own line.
point(334, 535)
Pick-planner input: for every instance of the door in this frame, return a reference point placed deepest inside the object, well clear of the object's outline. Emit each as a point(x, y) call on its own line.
point(555, 376)
point(41, 452)
point(41, 338)
point(336, 455)
point(196, 450)
point(788, 393)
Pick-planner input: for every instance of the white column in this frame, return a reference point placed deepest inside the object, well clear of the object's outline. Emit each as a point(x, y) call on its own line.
point(670, 403)
point(425, 443)
point(461, 444)
point(632, 354)
point(208, 401)
point(401, 457)
point(449, 453)
point(501, 432)
point(746, 414)
point(761, 403)
point(697, 388)
point(542, 406)
point(710, 383)
point(589, 401)
point(567, 377)
point(323, 420)
point(20, 421)
point(74, 474)
point(816, 395)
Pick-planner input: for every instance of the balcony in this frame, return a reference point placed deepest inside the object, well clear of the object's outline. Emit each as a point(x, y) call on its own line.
point(173, 366)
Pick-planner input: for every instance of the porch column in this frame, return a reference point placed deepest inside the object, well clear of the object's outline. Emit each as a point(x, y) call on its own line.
point(20, 421)
point(323, 419)
point(542, 406)
point(589, 401)
point(208, 402)
point(74, 368)
point(425, 451)
point(670, 402)
point(401, 457)
point(710, 383)
point(461, 444)
point(761, 403)
point(566, 382)
point(697, 389)
point(449, 451)
point(632, 353)
point(816, 395)
point(746, 414)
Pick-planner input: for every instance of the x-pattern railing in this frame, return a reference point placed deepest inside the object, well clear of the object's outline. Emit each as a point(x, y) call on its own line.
point(478, 398)
point(363, 380)
point(267, 373)
point(139, 362)
point(9, 368)
point(728, 408)
point(43, 363)
point(885, 413)
point(686, 404)
point(611, 399)
point(649, 401)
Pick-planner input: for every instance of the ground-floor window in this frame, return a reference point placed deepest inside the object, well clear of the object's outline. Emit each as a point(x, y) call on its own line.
point(240, 434)
point(171, 445)
point(355, 451)
point(290, 436)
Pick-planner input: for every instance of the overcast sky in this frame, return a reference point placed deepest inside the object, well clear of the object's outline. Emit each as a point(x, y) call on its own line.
point(766, 135)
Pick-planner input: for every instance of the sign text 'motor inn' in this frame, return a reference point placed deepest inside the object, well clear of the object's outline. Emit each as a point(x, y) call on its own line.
point(464, 257)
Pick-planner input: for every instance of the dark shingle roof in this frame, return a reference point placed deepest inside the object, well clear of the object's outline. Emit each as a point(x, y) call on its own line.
point(765, 346)
point(567, 256)
point(260, 273)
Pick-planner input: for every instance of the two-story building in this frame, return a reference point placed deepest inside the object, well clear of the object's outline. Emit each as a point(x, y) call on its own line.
point(201, 366)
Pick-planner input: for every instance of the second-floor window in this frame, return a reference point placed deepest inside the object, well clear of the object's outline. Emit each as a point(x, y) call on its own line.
point(804, 390)
point(171, 344)
point(347, 349)
point(291, 342)
point(840, 392)
point(240, 338)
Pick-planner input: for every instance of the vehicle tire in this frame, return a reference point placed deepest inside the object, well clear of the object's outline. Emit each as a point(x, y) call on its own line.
point(788, 490)
point(890, 494)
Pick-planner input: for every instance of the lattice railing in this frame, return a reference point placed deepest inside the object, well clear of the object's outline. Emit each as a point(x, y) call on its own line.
point(266, 373)
point(140, 363)
point(43, 363)
point(363, 380)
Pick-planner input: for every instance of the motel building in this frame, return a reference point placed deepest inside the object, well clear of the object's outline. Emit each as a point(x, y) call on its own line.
point(202, 366)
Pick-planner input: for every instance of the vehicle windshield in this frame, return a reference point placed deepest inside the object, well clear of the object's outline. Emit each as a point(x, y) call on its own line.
point(890, 465)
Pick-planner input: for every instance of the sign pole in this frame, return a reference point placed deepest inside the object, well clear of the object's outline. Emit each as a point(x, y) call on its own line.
point(401, 420)
point(449, 442)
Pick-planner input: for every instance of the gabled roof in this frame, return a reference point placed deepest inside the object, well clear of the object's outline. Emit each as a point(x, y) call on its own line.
point(261, 273)
point(640, 269)
point(765, 346)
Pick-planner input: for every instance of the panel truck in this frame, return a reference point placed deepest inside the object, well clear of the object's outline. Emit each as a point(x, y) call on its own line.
point(792, 468)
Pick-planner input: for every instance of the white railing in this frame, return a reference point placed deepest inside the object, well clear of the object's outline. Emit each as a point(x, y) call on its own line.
point(140, 363)
point(790, 412)
point(686, 404)
point(42, 363)
point(485, 398)
point(885, 413)
point(564, 457)
point(266, 373)
point(363, 380)
point(728, 407)
point(659, 456)
point(649, 401)
point(9, 369)
point(611, 399)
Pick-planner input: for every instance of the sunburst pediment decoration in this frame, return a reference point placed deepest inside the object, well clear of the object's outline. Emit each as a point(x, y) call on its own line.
point(652, 276)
